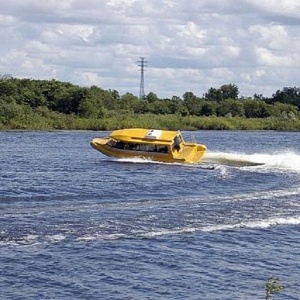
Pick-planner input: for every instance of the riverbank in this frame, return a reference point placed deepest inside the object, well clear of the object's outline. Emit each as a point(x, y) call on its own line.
point(53, 121)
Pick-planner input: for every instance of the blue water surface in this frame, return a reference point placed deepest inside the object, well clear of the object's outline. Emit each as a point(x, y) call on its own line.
point(76, 224)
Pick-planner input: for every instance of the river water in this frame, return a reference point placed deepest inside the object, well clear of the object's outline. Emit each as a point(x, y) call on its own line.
point(76, 224)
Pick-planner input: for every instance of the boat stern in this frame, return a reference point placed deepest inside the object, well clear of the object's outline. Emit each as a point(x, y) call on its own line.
point(191, 153)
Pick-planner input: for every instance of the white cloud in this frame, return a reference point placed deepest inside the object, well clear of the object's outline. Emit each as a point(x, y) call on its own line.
point(288, 8)
point(189, 45)
point(268, 58)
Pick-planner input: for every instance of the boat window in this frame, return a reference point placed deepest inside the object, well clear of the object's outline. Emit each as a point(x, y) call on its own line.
point(112, 143)
point(137, 146)
point(116, 144)
point(120, 145)
point(179, 138)
point(162, 149)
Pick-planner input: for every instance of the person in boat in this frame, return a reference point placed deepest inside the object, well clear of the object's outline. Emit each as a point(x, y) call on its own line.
point(176, 144)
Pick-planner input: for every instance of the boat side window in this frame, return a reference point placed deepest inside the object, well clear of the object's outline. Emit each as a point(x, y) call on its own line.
point(162, 149)
point(116, 144)
point(112, 143)
point(146, 147)
point(131, 146)
point(123, 145)
point(138, 147)
point(153, 148)
point(120, 145)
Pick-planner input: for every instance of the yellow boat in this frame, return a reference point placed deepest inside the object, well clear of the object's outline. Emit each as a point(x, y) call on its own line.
point(153, 144)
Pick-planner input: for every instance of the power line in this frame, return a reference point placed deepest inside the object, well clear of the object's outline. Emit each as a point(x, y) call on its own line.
point(142, 63)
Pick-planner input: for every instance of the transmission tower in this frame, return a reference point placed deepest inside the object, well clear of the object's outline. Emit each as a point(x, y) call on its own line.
point(142, 63)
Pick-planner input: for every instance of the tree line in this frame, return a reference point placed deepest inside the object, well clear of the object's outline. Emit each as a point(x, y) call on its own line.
point(19, 96)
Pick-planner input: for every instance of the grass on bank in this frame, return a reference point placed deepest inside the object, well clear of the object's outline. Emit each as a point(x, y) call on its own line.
point(44, 119)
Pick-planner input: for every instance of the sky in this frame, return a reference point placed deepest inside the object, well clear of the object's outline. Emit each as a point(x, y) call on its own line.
point(188, 46)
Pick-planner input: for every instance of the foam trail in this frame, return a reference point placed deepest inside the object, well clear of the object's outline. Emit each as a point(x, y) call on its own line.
point(255, 224)
point(137, 160)
point(287, 160)
point(143, 160)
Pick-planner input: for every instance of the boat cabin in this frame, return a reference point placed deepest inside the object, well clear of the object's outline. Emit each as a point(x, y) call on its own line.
point(147, 141)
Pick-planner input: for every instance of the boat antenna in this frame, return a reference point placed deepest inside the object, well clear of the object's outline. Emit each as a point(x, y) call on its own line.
point(142, 63)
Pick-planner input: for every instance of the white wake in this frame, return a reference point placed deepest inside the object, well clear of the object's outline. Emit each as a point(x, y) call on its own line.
point(271, 222)
point(285, 160)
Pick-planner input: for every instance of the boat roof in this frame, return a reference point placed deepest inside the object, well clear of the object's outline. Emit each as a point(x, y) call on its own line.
point(144, 135)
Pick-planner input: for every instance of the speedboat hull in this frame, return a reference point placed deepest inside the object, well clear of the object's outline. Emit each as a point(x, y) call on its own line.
point(157, 145)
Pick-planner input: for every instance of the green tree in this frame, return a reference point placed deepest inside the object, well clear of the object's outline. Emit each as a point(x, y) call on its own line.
point(209, 108)
point(226, 91)
point(255, 109)
point(115, 94)
point(259, 97)
point(141, 107)
point(91, 107)
point(289, 95)
point(31, 98)
point(177, 106)
point(69, 102)
point(129, 102)
point(229, 91)
point(55, 93)
point(230, 106)
point(284, 110)
point(9, 111)
point(159, 107)
point(213, 94)
point(7, 87)
point(192, 103)
point(110, 100)
point(151, 97)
